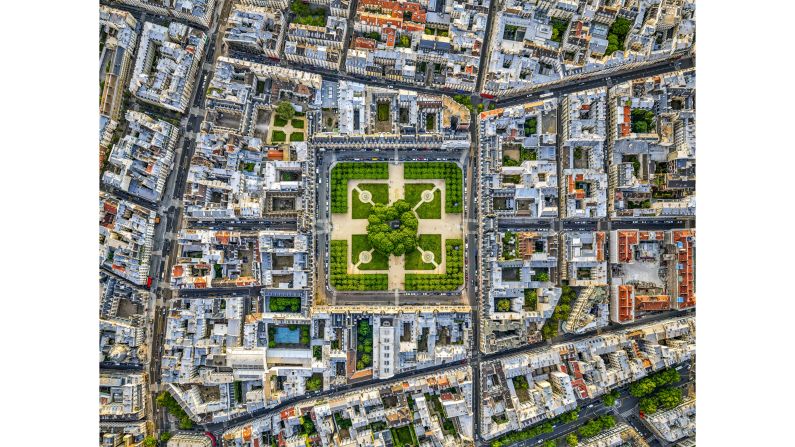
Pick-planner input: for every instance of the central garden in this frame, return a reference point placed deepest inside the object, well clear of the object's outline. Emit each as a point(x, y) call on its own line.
point(396, 226)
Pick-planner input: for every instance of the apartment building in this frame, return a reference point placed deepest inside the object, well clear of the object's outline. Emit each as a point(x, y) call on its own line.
point(432, 409)
point(242, 96)
point(544, 42)
point(199, 12)
point(652, 146)
point(674, 424)
point(518, 161)
point(212, 259)
point(316, 45)
point(582, 157)
point(140, 162)
point(584, 260)
point(122, 396)
point(525, 389)
point(407, 42)
point(652, 271)
point(126, 434)
point(125, 238)
point(117, 40)
point(167, 63)
point(255, 30)
point(519, 292)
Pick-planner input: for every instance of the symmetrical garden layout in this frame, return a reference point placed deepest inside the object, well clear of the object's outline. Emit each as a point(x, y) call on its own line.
point(396, 226)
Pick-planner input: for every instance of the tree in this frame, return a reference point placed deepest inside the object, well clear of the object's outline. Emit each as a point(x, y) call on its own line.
point(642, 387)
point(503, 305)
point(648, 405)
point(285, 110)
point(550, 443)
point(366, 359)
point(164, 437)
point(572, 440)
point(150, 441)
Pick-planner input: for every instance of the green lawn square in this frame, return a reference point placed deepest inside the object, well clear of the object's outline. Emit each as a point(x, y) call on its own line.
point(428, 242)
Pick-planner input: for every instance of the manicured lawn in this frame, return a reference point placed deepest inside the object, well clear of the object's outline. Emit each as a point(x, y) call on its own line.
point(380, 191)
point(279, 122)
point(297, 136)
point(432, 209)
point(450, 280)
point(345, 171)
point(404, 436)
point(278, 136)
point(297, 123)
point(412, 192)
point(360, 244)
point(360, 209)
point(429, 242)
point(341, 280)
point(383, 111)
point(450, 172)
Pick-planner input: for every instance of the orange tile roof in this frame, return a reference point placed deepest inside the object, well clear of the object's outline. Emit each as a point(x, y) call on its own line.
point(600, 246)
point(625, 303)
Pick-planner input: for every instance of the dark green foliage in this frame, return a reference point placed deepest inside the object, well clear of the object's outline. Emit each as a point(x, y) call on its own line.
point(503, 305)
point(285, 111)
point(338, 272)
point(450, 172)
point(317, 352)
point(520, 383)
point(462, 99)
point(561, 313)
point(315, 382)
point(386, 239)
point(596, 426)
point(450, 280)
point(167, 401)
point(572, 440)
point(530, 299)
point(382, 111)
point(530, 126)
point(428, 242)
point(284, 304)
point(617, 35)
point(642, 120)
point(403, 42)
point(531, 432)
point(344, 171)
point(308, 15)
point(296, 136)
point(278, 136)
point(364, 344)
point(558, 29)
point(342, 423)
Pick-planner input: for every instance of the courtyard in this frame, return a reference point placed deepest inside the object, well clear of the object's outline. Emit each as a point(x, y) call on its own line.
point(396, 226)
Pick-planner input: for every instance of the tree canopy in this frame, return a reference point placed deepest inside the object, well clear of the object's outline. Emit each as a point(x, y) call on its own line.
point(392, 229)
